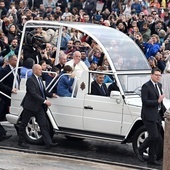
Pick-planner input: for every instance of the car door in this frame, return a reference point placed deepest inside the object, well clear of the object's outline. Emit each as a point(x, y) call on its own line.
point(103, 114)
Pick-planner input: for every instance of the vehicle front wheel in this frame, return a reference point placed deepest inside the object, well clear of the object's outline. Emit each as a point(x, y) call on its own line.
point(139, 137)
point(32, 131)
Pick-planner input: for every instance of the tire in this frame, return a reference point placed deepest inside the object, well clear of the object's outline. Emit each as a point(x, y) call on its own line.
point(32, 132)
point(140, 135)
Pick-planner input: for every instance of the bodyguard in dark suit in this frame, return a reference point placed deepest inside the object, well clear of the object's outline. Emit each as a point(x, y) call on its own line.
point(98, 87)
point(35, 104)
point(152, 105)
point(6, 86)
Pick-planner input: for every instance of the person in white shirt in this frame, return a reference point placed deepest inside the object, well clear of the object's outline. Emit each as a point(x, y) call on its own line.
point(77, 64)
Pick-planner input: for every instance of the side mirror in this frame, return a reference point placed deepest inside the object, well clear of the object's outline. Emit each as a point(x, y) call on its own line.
point(116, 95)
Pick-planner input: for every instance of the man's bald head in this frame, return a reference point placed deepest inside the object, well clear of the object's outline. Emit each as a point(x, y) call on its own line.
point(37, 69)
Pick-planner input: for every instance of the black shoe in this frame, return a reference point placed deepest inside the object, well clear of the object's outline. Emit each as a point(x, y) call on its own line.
point(154, 163)
point(139, 155)
point(51, 145)
point(4, 137)
point(23, 145)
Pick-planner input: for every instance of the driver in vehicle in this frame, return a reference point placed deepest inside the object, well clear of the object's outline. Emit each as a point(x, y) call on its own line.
point(98, 87)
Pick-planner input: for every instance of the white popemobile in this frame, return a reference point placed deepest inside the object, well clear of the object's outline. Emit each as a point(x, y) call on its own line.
point(113, 118)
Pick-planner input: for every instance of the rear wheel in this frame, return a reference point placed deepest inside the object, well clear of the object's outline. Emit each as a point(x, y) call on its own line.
point(32, 131)
point(139, 137)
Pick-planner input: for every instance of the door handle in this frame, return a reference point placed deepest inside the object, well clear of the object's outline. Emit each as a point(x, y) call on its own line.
point(88, 107)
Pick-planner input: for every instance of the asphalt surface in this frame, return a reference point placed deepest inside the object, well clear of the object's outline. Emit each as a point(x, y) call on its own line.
point(115, 154)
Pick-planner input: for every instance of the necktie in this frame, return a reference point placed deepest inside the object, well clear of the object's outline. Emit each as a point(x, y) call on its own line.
point(159, 93)
point(103, 89)
point(41, 87)
point(157, 90)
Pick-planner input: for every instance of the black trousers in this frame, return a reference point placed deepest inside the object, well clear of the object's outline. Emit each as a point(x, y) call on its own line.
point(42, 121)
point(153, 139)
point(2, 131)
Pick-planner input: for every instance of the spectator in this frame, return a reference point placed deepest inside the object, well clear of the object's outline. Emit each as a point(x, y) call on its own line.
point(160, 62)
point(90, 7)
point(12, 32)
point(26, 70)
point(65, 82)
point(139, 41)
point(41, 11)
point(116, 7)
point(34, 4)
point(155, 4)
point(107, 79)
point(76, 4)
point(152, 62)
point(146, 32)
point(64, 39)
point(3, 10)
point(121, 26)
point(62, 4)
point(85, 18)
point(70, 47)
point(84, 58)
point(105, 14)
point(166, 56)
point(93, 66)
point(50, 3)
point(107, 4)
point(157, 26)
point(162, 35)
point(95, 54)
point(136, 7)
point(66, 14)
point(152, 46)
point(141, 20)
point(127, 10)
point(11, 49)
point(62, 61)
point(58, 12)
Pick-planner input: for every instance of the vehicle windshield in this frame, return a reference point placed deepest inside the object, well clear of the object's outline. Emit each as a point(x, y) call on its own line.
point(131, 84)
point(123, 51)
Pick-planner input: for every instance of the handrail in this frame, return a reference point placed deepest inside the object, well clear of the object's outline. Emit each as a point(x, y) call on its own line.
point(52, 79)
point(5, 78)
point(5, 95)
point(58, 81)
point(9, 74)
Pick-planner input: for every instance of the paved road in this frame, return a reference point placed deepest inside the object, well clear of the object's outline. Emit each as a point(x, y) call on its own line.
point(119, 154)
point(15, 160)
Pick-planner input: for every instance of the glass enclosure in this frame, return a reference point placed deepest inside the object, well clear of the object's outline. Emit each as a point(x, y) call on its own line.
point(120, 50)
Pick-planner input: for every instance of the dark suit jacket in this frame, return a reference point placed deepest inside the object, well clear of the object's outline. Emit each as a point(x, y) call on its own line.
point(33, 99)
point(6, 84)
point(150, 102)
point(97, 90)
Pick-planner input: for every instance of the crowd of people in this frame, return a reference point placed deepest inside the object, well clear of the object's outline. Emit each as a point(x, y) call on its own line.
point(147, 22)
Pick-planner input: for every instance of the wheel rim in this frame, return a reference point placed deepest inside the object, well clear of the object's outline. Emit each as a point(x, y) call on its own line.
point(141, 139)
point(33, 129)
